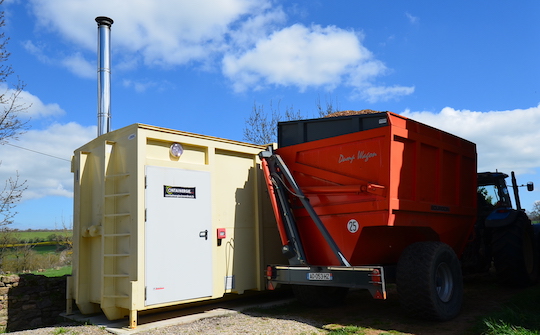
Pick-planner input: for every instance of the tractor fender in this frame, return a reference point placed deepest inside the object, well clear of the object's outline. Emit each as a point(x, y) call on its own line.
point(501, 217)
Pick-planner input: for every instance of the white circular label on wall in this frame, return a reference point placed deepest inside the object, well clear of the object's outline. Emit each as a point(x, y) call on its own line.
point(353, 226)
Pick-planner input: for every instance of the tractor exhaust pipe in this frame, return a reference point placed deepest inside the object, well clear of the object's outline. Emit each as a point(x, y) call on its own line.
point(516, 191)
point(104, 74)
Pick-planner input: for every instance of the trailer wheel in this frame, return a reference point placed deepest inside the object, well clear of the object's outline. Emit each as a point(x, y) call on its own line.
point(320, 296)
point(429, 281)
point(515, 254)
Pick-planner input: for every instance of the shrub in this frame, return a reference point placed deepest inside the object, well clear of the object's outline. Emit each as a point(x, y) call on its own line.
point(25, 259)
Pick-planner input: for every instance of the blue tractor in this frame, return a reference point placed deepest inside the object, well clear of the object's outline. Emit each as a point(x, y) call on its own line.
point(504, 237)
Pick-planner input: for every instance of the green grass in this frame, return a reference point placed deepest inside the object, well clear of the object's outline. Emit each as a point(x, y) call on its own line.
point(66, 270)
point(60, 330)
point(45, 249)
point(495, 327)
point(335, 329)
point(518, 317)
point(30, 235)
point(345, 330)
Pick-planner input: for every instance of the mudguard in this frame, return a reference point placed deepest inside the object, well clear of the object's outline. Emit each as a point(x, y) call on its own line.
point(501, 217)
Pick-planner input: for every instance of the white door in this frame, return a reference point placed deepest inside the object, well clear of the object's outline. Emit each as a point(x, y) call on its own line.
point(178, 243)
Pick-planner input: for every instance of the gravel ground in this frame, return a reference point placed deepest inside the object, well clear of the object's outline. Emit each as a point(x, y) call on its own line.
point(231, 324)
point(482, 296)
point(65, 329)
point(239, 324)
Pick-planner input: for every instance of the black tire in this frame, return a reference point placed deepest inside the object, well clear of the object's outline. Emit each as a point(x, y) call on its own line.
point(515, 254)
point(429, 281)
point(320, 296)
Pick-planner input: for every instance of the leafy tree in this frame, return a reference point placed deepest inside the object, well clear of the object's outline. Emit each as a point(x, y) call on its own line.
point(484, 192)
point(11, 126)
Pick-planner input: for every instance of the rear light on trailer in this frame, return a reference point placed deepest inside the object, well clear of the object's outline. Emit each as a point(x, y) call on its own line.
point(376, 280)
point(376, 277)
point(270, 272)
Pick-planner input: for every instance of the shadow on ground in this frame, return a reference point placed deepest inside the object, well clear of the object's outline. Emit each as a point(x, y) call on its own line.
point(482, 297)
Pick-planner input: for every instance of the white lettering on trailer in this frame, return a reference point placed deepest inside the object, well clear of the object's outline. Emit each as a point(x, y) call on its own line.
point(346, 159)
point(362, 155)
point(366, 156)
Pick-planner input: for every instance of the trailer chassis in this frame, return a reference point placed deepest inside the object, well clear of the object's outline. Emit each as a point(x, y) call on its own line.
point(362, 277)
point(279, 181)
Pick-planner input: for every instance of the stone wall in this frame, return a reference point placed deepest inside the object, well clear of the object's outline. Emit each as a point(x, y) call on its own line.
point(30, 301)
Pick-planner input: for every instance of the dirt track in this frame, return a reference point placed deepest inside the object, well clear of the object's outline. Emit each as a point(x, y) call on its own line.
point(482, 296)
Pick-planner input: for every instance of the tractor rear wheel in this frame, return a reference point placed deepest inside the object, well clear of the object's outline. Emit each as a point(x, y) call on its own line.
point(429, 281)
point(320, 296)
point(515, 254)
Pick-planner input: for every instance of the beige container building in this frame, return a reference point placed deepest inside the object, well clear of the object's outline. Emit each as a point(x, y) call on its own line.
point(165, 217)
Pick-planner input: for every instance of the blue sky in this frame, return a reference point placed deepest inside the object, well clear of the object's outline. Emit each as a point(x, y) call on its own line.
point(468, 67)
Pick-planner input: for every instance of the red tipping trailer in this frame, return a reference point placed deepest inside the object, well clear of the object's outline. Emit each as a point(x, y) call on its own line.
point(378, 195)
point(379, 190)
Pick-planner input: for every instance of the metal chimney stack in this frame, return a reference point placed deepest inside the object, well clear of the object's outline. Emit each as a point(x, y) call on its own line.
point(104, 74)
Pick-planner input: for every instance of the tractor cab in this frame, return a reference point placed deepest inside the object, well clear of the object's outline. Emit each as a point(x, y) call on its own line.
point(493, 198)
point(492, 190)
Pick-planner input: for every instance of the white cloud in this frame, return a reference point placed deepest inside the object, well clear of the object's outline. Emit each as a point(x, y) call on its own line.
point(385, 93)
point(75, 63)
point(36, 50)
point(412, 19)
point(80, 66)
point(164, 32)
point(256, 49)
point(310, 57)
point(139, 86)
point(32, 105)
point(48, 173)
point(506, 140)
point(298, 56)
point(256, 28)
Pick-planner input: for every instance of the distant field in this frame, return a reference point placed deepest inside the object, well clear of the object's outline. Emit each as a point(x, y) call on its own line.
point(43, 235)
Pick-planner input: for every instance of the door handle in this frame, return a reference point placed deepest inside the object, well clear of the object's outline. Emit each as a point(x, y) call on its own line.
point(204, 234)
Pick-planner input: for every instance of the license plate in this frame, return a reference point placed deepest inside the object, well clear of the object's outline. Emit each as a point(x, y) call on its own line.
point(319, 276)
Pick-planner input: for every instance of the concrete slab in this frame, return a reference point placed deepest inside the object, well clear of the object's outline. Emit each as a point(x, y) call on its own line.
point(148, 320)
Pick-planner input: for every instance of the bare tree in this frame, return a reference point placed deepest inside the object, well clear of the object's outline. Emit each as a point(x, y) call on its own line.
point(534, 215)
point(9, 197)
point(261, 126)
point(11, 126)
point(328, 108)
